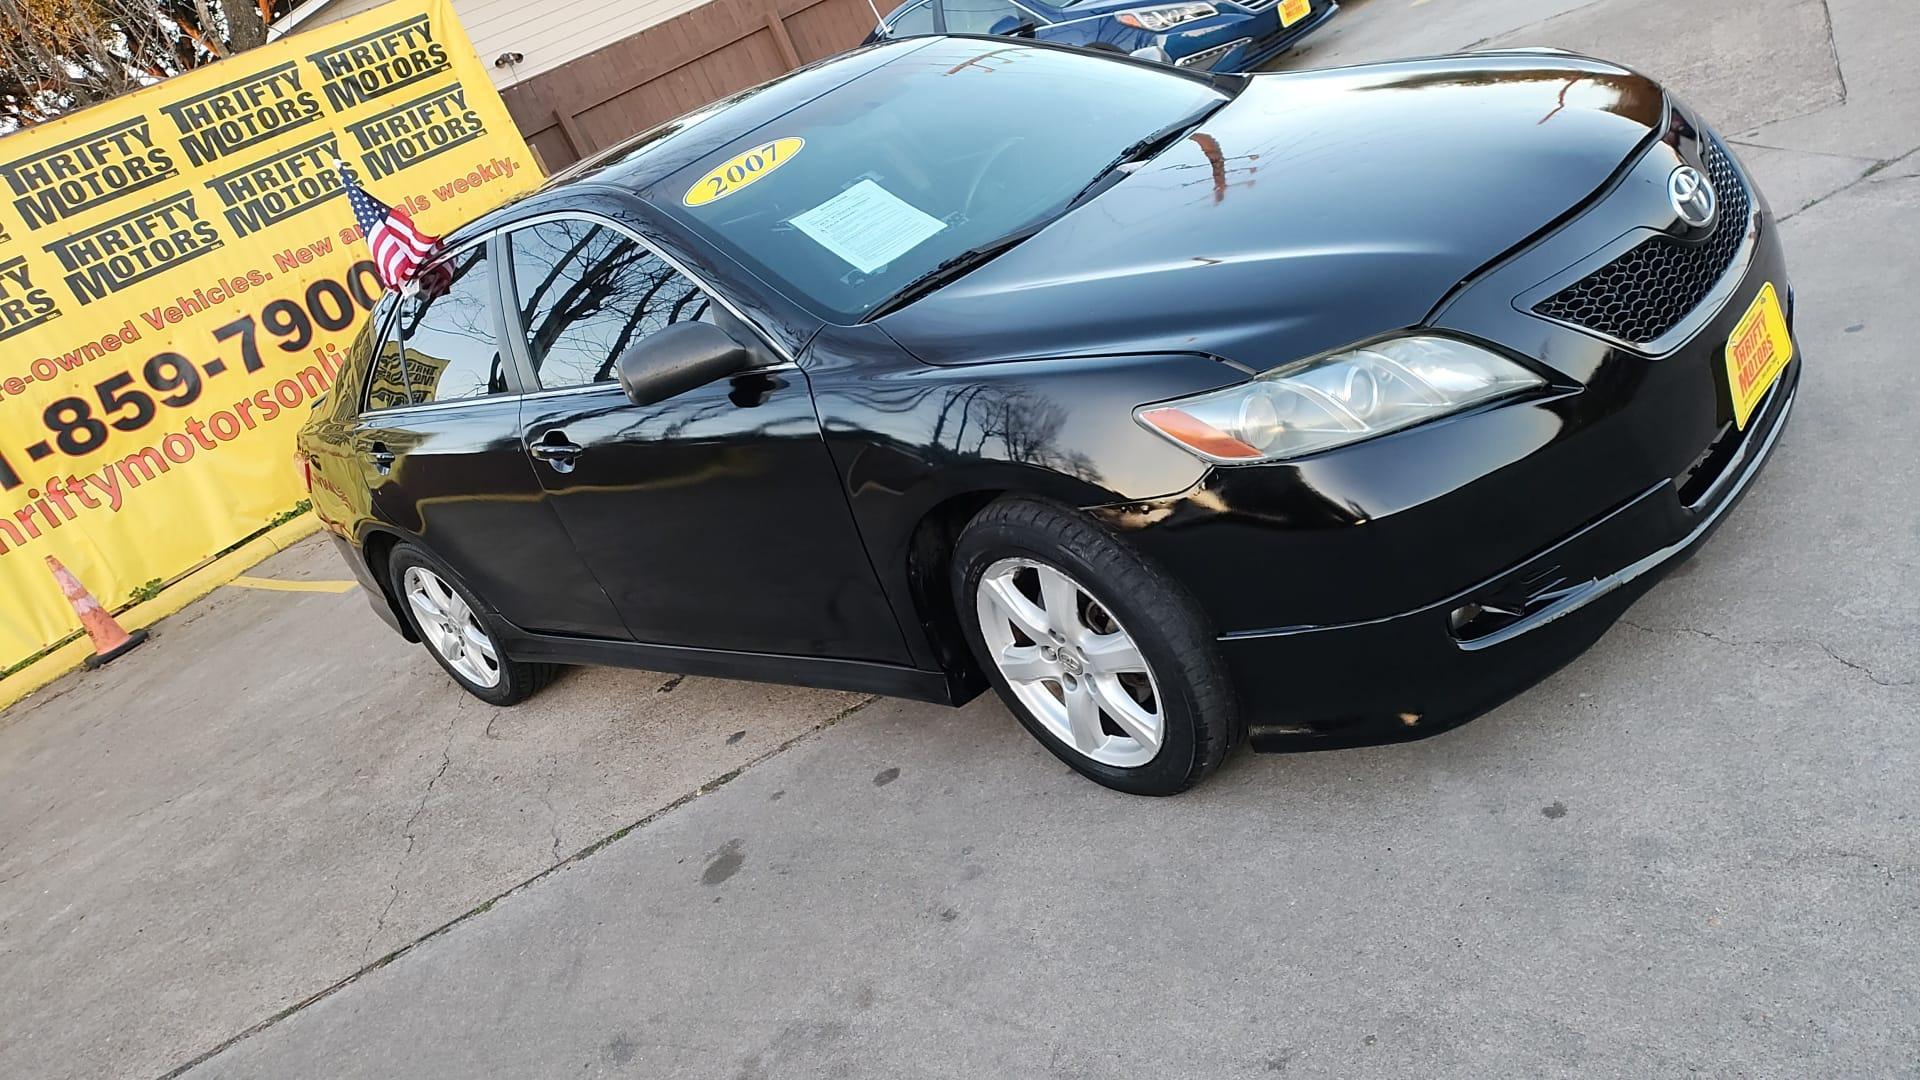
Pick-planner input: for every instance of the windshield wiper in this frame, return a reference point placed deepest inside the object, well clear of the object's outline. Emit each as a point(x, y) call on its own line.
point(1144, 150)
point(967, 261)
point(948, 271)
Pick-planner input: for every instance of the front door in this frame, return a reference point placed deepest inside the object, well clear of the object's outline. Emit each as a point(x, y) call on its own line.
point(438, 442)
point(714, 519)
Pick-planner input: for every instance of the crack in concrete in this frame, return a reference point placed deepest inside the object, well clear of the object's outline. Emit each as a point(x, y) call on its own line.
point(1869, 161)
point(1872, 171)
point(446, 759)
point(1876, 862)
point(553, 815)
point(1739, 643)
point(1833, 50)
point(577, 857)
point(1523, 28)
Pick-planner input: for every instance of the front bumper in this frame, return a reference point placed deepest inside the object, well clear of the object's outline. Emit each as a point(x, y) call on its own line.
point(1566, 597)
point(1399, 586)
point(1235, 44)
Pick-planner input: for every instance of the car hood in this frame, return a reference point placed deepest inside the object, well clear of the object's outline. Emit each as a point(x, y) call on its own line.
point(1313, 211)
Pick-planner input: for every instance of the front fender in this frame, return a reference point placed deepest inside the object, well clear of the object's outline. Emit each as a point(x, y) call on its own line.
point(910, 438)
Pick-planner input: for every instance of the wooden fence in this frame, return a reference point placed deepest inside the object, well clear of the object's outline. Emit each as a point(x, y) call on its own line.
point(674, 67)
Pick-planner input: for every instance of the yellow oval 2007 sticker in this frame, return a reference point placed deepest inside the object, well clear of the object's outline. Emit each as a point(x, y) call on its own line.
point(742, 169)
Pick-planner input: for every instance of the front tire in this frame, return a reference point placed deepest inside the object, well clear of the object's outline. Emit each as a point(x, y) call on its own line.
point(457, 629)
point(1100, 655)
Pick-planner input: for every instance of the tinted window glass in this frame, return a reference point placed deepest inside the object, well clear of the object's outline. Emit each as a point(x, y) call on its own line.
point(586, 292)
point(956, 145)
point(979, 16)
point(386, 379)
point(917, 19)
point(451, 351)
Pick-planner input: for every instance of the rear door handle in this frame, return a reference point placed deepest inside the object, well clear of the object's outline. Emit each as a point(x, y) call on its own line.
point(381, 457)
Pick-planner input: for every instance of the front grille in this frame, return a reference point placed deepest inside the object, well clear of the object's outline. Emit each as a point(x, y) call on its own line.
point(1205, 60)
point(1641, 295)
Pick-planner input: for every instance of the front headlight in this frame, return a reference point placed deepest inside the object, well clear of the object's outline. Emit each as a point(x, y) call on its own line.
point(1157, 19)
point(1342, 398)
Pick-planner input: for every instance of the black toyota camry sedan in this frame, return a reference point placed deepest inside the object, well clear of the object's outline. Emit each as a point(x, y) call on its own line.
point(1305, 410)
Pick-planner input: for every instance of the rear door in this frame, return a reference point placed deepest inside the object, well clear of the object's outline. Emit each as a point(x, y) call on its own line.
point(438, 442)
point(714, 519)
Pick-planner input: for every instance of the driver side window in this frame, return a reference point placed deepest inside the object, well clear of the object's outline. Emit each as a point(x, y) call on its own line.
point(585, 291)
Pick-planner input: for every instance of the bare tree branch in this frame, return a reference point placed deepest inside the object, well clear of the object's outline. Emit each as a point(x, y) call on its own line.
point(57, 56)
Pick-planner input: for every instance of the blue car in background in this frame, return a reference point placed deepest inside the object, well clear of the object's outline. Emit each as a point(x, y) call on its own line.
point(1202, 35)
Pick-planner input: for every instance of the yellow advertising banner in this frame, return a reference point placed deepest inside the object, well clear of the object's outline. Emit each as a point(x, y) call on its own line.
point(179, 275)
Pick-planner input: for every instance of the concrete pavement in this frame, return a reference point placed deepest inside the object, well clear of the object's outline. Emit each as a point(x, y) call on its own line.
point(278, 791)
point(1693, 850)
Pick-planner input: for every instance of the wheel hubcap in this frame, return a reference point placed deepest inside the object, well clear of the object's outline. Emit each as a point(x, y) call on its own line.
point(1070, 662)
point(451, 627)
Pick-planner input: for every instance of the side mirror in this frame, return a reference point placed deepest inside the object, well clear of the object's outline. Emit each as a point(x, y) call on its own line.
point(683, 356)
point(1013, 26)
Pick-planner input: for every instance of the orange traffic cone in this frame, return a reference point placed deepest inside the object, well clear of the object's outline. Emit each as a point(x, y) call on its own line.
point(109, 640)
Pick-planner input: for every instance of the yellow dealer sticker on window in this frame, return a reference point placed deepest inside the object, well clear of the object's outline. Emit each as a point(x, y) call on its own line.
point(742, 169)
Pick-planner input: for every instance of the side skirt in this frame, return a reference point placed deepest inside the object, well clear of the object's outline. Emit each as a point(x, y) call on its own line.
point(819, 673)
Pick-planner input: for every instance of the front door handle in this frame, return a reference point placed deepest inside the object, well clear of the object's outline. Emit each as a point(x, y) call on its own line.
point(554, 449)
point(381, 458)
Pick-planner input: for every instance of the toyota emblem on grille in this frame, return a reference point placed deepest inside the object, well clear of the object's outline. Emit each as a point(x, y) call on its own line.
point(1693, 196)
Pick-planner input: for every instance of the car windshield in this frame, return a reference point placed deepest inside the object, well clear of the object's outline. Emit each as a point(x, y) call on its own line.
point(951, 149)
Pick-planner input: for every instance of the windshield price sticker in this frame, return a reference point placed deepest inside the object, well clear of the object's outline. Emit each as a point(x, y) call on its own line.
point(741, 170)
point(868, 226)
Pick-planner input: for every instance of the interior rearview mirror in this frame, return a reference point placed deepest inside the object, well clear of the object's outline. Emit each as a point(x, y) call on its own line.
point(1012, 26)
point(677, 359)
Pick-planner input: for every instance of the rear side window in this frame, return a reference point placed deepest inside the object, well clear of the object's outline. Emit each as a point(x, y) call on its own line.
point(359, 357)
point(585, 291)
point(387, 377)
point(443, 346)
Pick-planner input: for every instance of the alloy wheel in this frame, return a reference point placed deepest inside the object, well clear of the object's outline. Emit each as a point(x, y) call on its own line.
point(1070, 662)
point(451, 627)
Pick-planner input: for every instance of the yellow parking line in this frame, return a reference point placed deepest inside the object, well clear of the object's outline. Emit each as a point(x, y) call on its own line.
point(293, 586)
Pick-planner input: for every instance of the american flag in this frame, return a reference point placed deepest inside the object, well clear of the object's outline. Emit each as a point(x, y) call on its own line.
point(398, 246)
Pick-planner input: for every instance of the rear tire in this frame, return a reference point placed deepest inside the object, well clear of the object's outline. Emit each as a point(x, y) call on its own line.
point(459, 630)
point(1117, 675)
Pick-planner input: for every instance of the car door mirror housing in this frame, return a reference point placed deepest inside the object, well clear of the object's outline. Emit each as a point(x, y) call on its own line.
point(683, 356)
